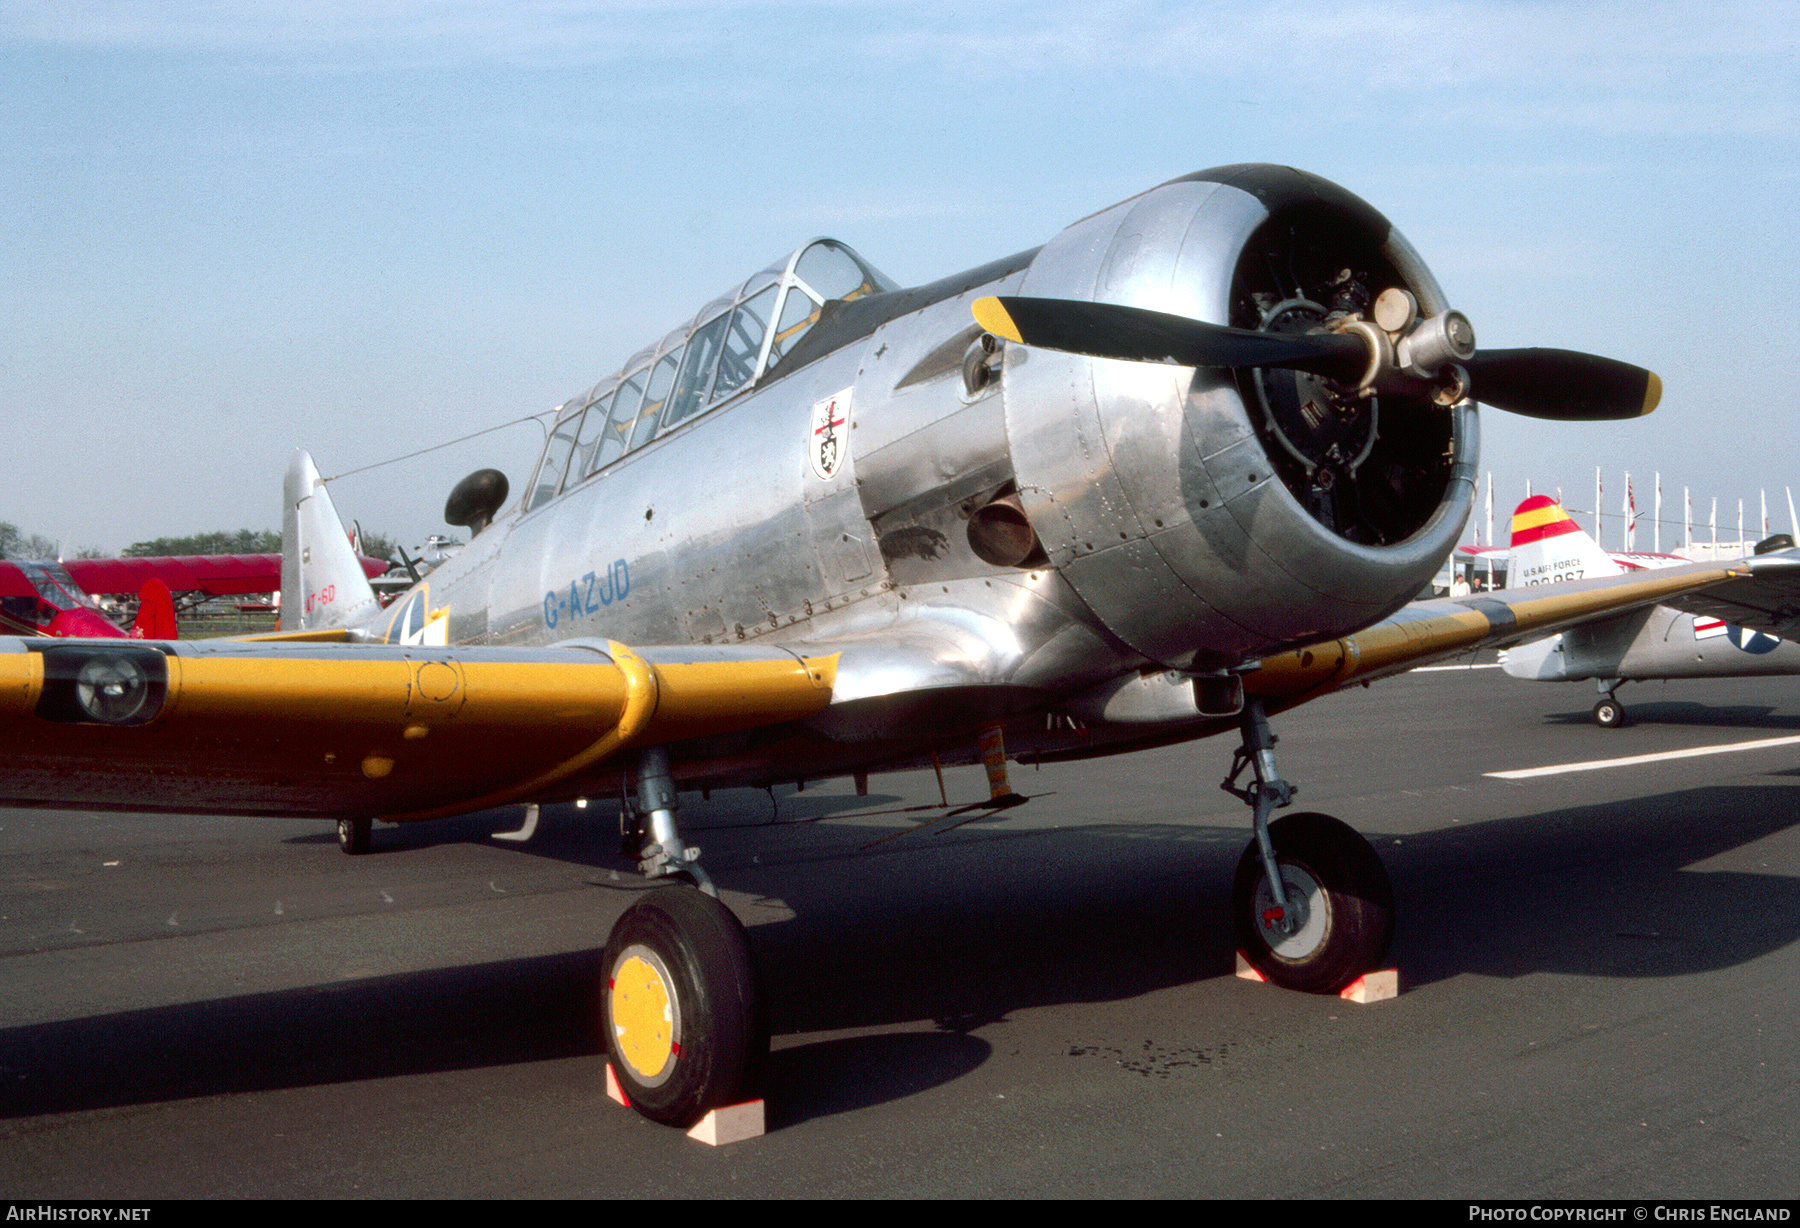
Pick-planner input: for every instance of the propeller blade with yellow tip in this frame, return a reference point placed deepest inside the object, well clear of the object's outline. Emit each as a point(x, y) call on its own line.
point(1561, 385)
point(1109, 330)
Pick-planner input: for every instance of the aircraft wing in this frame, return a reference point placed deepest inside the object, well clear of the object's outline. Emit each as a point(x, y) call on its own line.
point(415, 732)
point(216, 575)
point(361, 730)
point(1445, 627)
point(1767, 599)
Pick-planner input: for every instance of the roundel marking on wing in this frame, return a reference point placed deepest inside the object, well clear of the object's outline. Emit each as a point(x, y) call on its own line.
point(1751, 641)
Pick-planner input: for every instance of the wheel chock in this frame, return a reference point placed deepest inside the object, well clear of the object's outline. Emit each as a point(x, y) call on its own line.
point(1373, 987)
point(1376, 986)
point(732, 1124)
point(1244, 973)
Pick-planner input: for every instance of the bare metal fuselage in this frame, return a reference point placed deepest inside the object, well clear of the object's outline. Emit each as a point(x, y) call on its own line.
point(1180, 528)
point(1652, 643)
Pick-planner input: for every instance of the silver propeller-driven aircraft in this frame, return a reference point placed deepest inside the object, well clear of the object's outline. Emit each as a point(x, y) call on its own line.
point(1173, 472)
point(1692, 637)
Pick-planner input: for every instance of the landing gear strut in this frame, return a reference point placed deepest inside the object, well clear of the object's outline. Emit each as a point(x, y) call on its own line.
point(651, 835)
point(684, 1027)
point(1332, 917)
point(1609, 713)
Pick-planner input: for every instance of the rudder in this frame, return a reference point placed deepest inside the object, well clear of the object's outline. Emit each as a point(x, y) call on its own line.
point(1548, 546)
point(322, 582)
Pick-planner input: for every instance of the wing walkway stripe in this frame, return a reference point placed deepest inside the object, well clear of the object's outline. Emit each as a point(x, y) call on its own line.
point(1595, 764)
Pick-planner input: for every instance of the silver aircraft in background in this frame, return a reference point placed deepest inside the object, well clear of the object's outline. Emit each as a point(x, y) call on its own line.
point(1177, 470)
point(1696, 637)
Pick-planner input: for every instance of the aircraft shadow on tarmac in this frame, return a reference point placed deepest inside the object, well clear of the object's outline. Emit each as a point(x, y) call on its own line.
point(1601, 890)
point(589, 835)
point(968, 931)
point(1686, 712)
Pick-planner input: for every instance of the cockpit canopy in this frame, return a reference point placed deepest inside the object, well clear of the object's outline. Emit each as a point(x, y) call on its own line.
point(726, 349)
point(31, 598)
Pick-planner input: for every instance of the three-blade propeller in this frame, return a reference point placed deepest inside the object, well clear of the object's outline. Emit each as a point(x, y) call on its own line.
point(1562, 385)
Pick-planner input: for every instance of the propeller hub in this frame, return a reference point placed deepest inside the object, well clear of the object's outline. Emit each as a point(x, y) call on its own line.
point(1434, 341)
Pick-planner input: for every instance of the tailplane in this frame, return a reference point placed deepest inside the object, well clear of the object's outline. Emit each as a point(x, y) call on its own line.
point(322, 583)
point(1547, 546)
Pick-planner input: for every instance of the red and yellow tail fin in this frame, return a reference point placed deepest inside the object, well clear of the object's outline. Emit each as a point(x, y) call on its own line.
point(1548, 546)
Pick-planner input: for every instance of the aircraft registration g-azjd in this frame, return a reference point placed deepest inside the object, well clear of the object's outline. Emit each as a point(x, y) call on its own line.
point(1177, 470)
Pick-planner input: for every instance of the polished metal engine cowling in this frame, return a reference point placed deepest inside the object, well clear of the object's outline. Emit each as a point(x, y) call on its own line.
point(1209, 516)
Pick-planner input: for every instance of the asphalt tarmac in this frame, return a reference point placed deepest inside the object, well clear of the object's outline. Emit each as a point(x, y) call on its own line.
point(1600, 982)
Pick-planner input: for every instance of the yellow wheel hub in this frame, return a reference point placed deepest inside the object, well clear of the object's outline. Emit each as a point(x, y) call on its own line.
point(643, 1014)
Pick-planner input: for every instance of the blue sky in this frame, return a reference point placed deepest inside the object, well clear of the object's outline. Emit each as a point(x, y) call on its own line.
point(231, 229)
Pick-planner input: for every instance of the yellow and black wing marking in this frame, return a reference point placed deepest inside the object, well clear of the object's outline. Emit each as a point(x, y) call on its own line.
point(1445, 627)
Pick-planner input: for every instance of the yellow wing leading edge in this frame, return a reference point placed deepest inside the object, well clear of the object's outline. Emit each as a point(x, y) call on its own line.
point(360, 730)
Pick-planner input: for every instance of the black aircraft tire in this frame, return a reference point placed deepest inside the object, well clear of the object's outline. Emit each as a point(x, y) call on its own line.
point(354, 836)
point(684, 1030)
point(1609, 713)
point(1351, 915)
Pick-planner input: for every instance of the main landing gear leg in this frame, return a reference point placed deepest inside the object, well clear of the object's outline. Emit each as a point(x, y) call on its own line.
point(660, 851)
point(685, 1030)
point(1609, 713)
point(1331, 917)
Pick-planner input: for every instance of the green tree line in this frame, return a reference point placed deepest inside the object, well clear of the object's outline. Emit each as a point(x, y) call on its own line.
point(17, 545)
point(244, 541)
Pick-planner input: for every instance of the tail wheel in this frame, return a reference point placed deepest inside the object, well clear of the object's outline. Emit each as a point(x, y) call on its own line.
point(1345, 906)
point(684, 1030)
point(354, 835)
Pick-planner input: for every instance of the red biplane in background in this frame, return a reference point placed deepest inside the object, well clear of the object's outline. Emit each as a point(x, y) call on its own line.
point(56, 598)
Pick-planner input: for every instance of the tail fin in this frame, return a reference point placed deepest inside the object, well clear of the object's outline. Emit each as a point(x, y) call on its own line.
point(322, 583)
point(156, 612)
point(1548, 546)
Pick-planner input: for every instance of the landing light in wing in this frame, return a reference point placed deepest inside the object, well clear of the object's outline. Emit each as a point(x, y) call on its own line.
point(110, 685)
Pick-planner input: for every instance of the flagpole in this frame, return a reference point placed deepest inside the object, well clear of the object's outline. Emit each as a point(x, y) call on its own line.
point(1597, 497)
